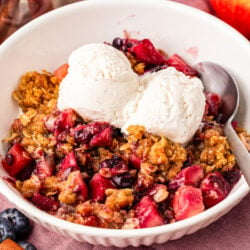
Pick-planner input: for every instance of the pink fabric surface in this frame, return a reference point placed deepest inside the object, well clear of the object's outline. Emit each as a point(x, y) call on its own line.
point(232, 231)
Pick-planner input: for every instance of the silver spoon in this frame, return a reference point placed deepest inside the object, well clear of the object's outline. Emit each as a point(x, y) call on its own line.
point(216, 79)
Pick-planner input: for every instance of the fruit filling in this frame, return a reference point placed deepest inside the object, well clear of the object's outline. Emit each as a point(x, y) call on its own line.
point(90, 172)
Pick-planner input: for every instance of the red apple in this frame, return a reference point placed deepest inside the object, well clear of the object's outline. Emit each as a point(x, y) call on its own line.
point(234, 12)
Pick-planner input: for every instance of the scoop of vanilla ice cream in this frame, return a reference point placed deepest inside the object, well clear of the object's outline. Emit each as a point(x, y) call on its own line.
point(172, 105)
point(99, 83)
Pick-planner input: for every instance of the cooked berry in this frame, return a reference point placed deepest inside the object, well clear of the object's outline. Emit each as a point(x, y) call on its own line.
point(168, 216)
point(117, 133)
point(145, 51)
point(214, 189)
point(69, 163)
point(147, 213)
point(65, 120)
point(19, 221)
point(103, 138)
point(61, 124)
point(188, 176)
point(26, 245)
point(177, 62)
point(44, 203)
point(138, 196)
point(91, 221)
point(135, 161)
point(128, 45)
point(113, 162)
point(98, 185)
point(118, 43)
point(62, 136)
point(232, 176)
point(45, 165)
point(84, 133)
point(6, 230)
point(190, 159)
point(166, 204)
point(26, 173)
point(116, 164)
point(50, 123)
point(124, 44)
point(124, 180)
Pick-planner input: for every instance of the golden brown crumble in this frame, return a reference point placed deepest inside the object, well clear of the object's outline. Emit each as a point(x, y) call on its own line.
point(216, 154)
point(106, 216)
point(36, 95)
point(119, 198)
point(29, 187)
point(161, 157)
point(38, 91)
point(67, 196)
point(51, 185)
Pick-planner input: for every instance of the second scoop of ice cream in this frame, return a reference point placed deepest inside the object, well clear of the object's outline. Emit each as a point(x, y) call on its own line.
point(172, 105)
point(101, 86)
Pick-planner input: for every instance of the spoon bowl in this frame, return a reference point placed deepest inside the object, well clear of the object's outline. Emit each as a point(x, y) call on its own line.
point(217, 80)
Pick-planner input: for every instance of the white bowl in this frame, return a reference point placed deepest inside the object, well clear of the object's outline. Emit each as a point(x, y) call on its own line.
point(46, 43)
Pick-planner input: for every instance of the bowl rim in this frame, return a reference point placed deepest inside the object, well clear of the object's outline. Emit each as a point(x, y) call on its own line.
point(90, 3)
point(34, 212)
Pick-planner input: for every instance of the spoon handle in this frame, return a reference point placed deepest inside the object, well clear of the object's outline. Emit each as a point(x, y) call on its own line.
point(239, 150)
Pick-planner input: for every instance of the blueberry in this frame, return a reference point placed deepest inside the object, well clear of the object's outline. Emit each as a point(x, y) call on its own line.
point(116, 164)
point(6, 230)
point(117, 43)
point(115, 161)
point(124, 180)
point(26, 245)
point(83, 135)
point(18, 220)
point(232, 176)
point(117, 133)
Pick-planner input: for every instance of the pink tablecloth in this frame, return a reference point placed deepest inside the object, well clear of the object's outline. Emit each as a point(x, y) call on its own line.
point(232, 231)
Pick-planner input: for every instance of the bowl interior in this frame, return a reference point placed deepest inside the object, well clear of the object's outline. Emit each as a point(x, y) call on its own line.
point(46, 43)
